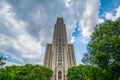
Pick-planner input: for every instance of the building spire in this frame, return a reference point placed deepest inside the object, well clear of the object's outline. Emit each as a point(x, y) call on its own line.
point(59, 55)
point(60, 20)
point(60, 36)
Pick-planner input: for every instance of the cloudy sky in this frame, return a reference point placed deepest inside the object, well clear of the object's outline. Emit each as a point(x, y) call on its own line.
point(26, 26)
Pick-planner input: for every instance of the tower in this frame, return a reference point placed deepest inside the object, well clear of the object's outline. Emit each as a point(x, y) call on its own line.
point(59, 55)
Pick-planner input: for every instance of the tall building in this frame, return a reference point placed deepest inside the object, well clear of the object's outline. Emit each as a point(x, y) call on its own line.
point(59, 55)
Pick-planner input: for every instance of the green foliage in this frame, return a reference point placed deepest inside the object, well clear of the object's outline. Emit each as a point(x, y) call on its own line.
point(26, 72)
point(104, 49)
point(103, 52)
point(73, 73)
point(2, 61)
point(85, 72)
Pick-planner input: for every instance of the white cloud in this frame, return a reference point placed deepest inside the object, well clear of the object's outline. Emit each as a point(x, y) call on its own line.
point(26, 48)
point(86, 13)
point(100, 20)
point(10, 63)
point(118, 12)
point(67, 3)
point(112, 17)
point(85, 40)
point(90, 17)
point(109, 16)
point(6, 12)
point(28, 28)
point(72, 40)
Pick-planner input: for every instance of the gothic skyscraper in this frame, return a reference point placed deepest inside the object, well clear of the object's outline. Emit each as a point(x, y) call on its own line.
point(59, 55)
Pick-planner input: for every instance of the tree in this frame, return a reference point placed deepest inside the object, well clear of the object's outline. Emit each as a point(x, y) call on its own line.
point(73, 73)
point(26, 72)
point(2, 61)
point(104, 48)
point(85, 72)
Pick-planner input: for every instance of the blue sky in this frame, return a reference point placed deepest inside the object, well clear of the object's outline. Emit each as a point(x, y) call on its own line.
point(26, 26)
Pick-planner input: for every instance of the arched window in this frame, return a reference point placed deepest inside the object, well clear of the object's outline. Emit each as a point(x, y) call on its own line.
point(59, 75)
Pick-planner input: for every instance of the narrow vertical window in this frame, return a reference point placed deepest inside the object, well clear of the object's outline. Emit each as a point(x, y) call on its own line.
point(59, 56)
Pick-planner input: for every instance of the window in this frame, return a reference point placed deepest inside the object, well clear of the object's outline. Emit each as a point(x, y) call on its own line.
point(59, 56)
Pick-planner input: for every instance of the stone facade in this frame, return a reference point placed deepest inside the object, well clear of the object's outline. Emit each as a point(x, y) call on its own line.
point(59, 55)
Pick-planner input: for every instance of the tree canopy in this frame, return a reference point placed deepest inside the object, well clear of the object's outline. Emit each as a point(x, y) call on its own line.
point(26, 72)
point(104, 46)
point(104, 49)
point(102, 59)
point(85, 72)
